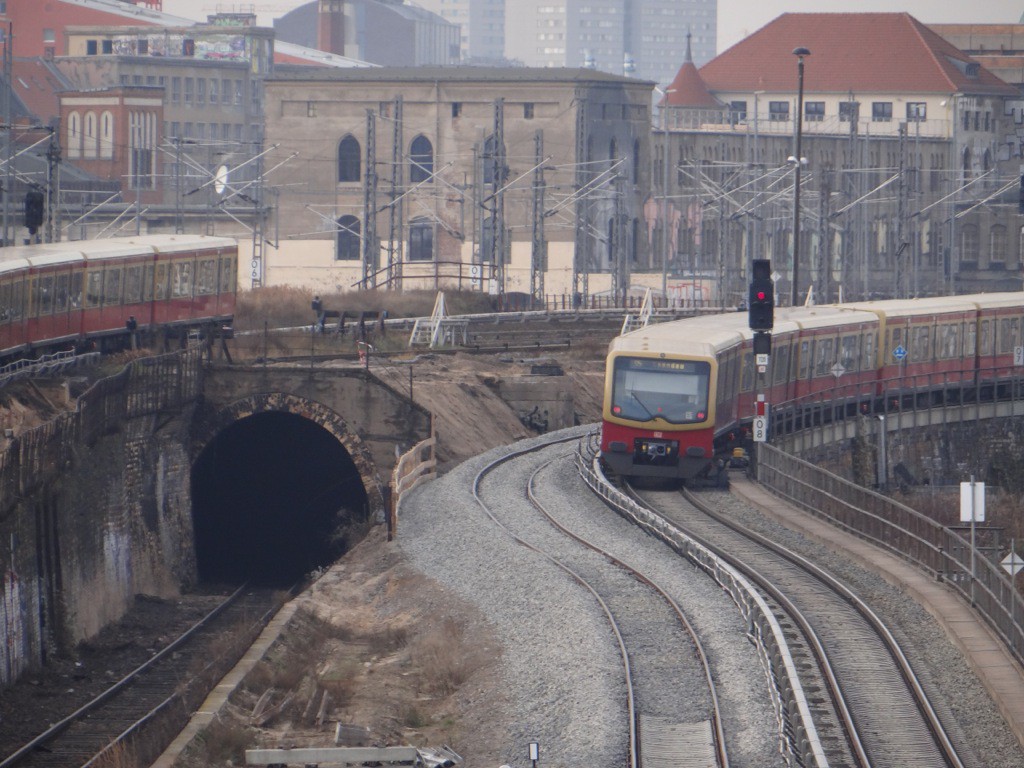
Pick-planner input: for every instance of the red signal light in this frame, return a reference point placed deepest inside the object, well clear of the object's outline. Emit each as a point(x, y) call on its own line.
point(760, 295)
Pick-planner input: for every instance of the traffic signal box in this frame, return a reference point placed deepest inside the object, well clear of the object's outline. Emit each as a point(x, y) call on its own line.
point(761, 306)
point(34, 213)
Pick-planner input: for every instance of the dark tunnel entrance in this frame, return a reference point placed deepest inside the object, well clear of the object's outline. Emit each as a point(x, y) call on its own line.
point(274, 497)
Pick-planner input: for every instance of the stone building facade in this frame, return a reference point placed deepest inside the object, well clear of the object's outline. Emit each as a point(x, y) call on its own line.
point(482, 176)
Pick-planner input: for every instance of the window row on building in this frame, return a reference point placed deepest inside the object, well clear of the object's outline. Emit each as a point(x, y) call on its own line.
point(421, 159)
point(90, 135)
point(200, 91)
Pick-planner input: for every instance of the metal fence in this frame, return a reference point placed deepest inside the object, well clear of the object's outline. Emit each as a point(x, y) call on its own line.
point(902, 530)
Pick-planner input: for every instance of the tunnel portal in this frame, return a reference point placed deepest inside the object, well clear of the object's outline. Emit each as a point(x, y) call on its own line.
point(274, 497)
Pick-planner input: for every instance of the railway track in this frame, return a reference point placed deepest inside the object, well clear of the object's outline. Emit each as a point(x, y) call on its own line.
point(660, 652)
point(875, 713)
point(138, 714)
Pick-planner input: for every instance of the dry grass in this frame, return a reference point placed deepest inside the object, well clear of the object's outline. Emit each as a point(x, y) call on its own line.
point(443, 655)
point(223, 742)
point(117, 756)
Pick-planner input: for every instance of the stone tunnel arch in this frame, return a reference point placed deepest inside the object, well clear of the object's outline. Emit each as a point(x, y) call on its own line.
point(280, 486)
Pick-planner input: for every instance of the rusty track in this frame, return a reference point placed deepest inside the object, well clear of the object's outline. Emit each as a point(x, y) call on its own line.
point(135, 715)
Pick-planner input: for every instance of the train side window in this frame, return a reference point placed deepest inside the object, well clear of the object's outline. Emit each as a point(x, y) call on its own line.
point(868, 362)
point(147, 282)
point(75, 293)
point(848, 352)
point(805, 360)
point(181, 279)
point(731, 372)
point(44, 295)
point(112, 287)
point(971, 339)
point(780, 364)
point(5, 302)
point(133, 284)
point(1009, 329)
point(33, 297)
point(948, 341)
point(986, 337)
point(17, 300)
point(93, 288)
point(896, 340)
point(162, 281)
point(824, 358)
point(747, 377)
point(207, 284)
point(228, 275)
point(60, 293)
point(920, 345)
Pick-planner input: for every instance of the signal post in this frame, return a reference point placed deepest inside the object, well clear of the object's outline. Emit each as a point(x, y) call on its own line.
point(761, 319)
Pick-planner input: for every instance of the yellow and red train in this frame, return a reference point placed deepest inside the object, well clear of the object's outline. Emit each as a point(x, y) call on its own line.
point(98, 292)
point(678, 395)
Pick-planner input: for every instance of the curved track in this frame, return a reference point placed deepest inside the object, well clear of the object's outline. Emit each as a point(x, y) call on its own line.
point(879, 716)
point(129, 717)
point(662, 725)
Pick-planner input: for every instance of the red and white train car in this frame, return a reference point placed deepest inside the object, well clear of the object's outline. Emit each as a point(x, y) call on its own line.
point(96, 291)
point(827, 362)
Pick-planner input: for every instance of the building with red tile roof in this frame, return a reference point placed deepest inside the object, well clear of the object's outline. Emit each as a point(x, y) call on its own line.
point(911, 158)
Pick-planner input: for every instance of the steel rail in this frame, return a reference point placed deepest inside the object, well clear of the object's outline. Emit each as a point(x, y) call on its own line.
point(716, 716)
point(925, 707)
point(792, 707)
point(54, 732)
point(630, 695)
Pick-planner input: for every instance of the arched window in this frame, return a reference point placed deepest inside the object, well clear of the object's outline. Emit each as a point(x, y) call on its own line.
point(107, 135)
point(90, 135)
point(349, 159)
point(421, 240)
point(969, 245)
point(421, 159)
point(967, 163)
point(613, 149)
point(74, 139)
point(349, 238)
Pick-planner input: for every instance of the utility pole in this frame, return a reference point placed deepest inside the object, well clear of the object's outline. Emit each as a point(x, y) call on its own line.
point(395, 213)
point(496, 159)
point(53, 185)
point(899, 265)
point(258, 267)
point(179, 200)
point(538, 252)
point(580, 267)
point(824, 251)
point(371, 248)
point(8, 238)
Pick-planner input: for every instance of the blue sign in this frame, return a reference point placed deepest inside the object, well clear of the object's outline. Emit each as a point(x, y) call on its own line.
point(899, 353)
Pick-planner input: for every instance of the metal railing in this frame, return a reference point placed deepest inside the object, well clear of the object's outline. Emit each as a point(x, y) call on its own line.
point(902, 530)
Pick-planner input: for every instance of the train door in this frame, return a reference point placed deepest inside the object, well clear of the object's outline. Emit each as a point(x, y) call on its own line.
point(12, 320)
point(227, 284)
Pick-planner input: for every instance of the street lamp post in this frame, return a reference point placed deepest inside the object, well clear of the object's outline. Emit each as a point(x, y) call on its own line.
point(799, 53)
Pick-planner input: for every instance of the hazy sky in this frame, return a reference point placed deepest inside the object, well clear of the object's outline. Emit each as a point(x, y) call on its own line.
point(736, 18)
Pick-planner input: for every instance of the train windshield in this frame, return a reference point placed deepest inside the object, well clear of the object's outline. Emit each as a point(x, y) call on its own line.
point(645, 389)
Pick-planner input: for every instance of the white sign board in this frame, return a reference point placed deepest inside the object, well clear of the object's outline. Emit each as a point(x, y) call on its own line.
point(972, 506)
point(760, 429)
point(1018, 355)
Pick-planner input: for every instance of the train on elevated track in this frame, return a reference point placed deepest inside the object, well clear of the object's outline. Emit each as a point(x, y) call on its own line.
point(105, 294)
point(680, 396)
